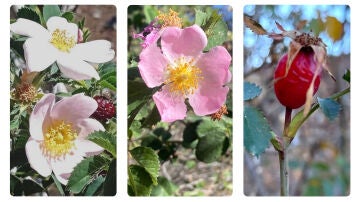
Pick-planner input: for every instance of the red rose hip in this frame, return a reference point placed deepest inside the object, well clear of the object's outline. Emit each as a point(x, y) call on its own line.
point(291, 89)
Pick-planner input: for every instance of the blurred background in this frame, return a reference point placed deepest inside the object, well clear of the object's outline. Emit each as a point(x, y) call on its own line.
point(319, 156)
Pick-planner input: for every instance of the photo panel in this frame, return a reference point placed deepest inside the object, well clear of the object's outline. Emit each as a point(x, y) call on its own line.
point(296, 100)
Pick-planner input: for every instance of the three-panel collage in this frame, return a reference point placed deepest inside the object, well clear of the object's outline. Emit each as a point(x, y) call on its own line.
point(209, 87)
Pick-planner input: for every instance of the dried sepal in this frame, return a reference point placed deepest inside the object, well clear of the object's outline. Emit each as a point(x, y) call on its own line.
point(254, 26)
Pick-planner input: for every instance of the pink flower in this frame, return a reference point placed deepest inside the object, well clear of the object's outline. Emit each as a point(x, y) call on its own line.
point(58, 134)
point(185, 72)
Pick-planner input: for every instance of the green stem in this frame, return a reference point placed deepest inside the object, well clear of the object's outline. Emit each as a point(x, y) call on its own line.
point(284, 175)
point(58, 184)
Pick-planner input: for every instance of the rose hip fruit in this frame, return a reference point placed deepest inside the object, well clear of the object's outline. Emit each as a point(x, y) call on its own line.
point(291, 89)
point(106, 109)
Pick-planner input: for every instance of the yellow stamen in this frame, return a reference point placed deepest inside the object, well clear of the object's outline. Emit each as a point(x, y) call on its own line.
point(59, 139)
point(183, 77)
point(169, 19)
point(62, 41)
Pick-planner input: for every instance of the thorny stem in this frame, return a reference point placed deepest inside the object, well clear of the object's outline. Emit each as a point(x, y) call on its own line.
point(284, 175)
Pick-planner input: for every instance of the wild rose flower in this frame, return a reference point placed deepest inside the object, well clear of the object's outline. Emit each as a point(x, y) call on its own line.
point(59, 43)
point(185, 72)
point(58, 133)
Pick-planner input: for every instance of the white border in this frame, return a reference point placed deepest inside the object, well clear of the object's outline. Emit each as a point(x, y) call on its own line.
point(121, 6)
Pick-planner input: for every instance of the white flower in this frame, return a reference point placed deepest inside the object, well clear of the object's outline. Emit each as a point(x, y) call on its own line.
point(58, 43)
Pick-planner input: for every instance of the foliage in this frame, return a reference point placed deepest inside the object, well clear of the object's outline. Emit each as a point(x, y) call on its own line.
point(91, 176)
point(152, 143)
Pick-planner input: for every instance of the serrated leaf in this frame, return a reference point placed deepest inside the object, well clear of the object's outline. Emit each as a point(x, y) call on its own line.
point(140, 181)
point(148, 159)
point(110, 181)
point(251, 91)
point(190, 134)
point(104, 140)
point(164, 188)
point(200, 17)
point(346, 76)
point(94, 186)
point(254, 26)
point(257, 132)
point(329, 107)
point(83, 172)
point(216, 31)
point(29, 14)
point(50, 11)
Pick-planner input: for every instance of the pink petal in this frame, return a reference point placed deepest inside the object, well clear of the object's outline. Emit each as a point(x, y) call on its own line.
point(39, 115)
point(88, 148)
point(208, 99)
point(36, 158)
point(63, 166)
point(29, 28)
point(170, 108)
point(76, 69)
point(189, 41)
point(215, 66)
point(39, 54)
point(73, 108)
point(152, 66)
point(87, 126)
point(98, 51)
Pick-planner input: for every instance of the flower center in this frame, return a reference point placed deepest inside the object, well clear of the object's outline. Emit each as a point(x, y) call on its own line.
point(25, 92)
point(183, 77)
point(59, 139)
point(169, 19)
point(62, 41)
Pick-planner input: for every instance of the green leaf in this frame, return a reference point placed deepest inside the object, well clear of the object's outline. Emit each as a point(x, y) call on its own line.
point(110, 181)
point(137, 90)
point(329, 107)
point(104, 140)
point(15, 186)
point(94, 186)
point(164, 188)
point(210, 146)
point(29, 14)
point(140, 181)
point(50, 11)
point(190, 135)
point(257, 132)
point(151, 141)
point(153, 118)
point(212, 139)
point(251, 91)
point(147, 158)
point(214, 27)
point(346, 76)
point(82, 173)
point(32, 187)
point(109, 83)
point(150, 13)
point(17, 46)
point(69, 16)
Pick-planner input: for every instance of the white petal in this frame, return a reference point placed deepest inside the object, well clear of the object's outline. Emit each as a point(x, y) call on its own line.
point(98, 51)
point(29, 28)
point(88, 126)
point(63, 166)
point(76, 69)
point(39, 54)
point(88, 148)
point(40, 114)
point(56, 22)
point(36, 158)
